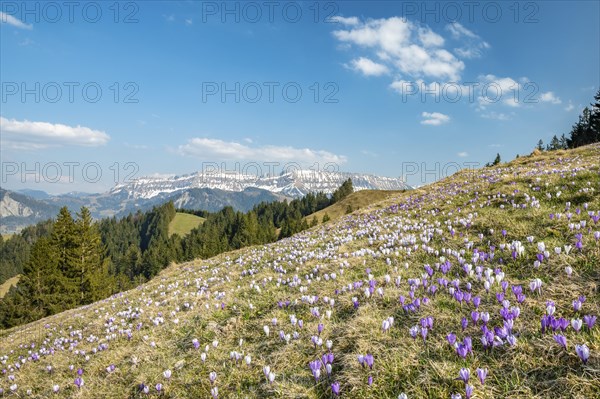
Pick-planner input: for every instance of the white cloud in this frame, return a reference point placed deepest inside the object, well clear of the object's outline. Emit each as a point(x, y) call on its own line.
point(36, 135)
point(10, 20)
point(570, 107)
point(500, 90)
point(429, 38)
point(472, 44)
point(434, 118)
point(218, 149)
point(549, 97)
point(368, 67)
point(496, 115)
point(406, 47)
point(458, 31)
point(189, 21)
point(369, 153)
point(463, 154)
point(350, 21)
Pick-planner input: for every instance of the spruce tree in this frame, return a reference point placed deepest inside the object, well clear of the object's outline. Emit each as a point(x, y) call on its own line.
point(497, 160)
point(64, 241)
point(540, 145)
point(88, 255)
point(45, 285)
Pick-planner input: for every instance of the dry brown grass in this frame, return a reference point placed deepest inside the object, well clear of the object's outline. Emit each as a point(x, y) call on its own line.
point(535, 368)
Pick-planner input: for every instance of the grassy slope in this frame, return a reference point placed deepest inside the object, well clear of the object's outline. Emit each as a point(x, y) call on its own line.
point(5, 286)
point(357, 200)
point(471, 203)
point(183, 223)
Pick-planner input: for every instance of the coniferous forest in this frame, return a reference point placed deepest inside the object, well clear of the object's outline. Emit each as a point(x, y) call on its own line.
point(74, 260)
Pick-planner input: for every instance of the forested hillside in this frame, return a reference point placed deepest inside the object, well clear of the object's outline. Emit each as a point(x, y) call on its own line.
point(70, 262)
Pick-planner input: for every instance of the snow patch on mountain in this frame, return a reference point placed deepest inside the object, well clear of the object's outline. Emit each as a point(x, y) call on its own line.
point(294, 184)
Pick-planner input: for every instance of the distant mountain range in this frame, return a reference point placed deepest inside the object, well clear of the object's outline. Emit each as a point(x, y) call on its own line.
point(207, 191)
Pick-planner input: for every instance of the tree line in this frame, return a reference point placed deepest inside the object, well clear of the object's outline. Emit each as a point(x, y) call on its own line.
point(69, 262)
point(585, 131)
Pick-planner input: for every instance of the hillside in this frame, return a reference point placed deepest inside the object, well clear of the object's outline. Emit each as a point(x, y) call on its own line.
point(183, 223)
point(489, 269)
point(356, 200)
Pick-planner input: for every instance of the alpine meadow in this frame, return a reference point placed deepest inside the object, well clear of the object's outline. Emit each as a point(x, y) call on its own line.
point(300, 199)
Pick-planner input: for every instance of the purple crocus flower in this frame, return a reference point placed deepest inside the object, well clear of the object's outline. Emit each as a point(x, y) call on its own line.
point(464, 323)
point(589, 321)
point(482, 374)
point(159, 387)
point(583, 352)
point(485, 317)
point(79, 382)
point(369, 360)
point(315, 367)
point(370, 380)
point(468, 391)
point(464, 374)
point(330, 357)
point(462, 351)
point(561, 340)
point(414, 331)
point(468, 344)
point(335, 388)
point(451, 338)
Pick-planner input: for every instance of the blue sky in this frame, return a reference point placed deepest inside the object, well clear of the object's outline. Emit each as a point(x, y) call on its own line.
point(362, 69)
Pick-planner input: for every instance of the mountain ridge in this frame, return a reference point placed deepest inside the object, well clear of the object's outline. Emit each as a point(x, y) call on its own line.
point(205, 191)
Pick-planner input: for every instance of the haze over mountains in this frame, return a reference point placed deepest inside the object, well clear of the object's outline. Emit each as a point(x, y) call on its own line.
point(206, 191)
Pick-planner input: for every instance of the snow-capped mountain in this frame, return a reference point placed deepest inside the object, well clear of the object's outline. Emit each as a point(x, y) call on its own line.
point(293, 184)
point(207, 191)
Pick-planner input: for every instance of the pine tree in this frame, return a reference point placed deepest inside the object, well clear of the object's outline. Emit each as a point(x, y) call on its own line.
point(326, 218)
point(554, 144)
point(64, 241)
point(314, 221)
point(88, 255)
point(497, 160)
point(343, 191)
point(563, 142)
point(46, 287)
point(540, 145)
point(583, 131)
point(594, 120)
